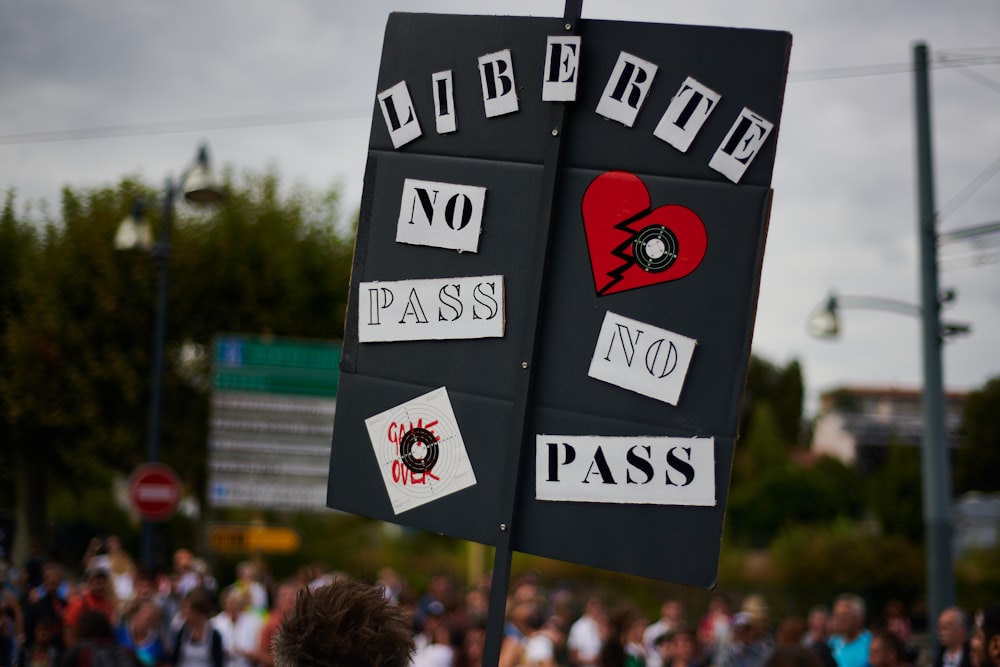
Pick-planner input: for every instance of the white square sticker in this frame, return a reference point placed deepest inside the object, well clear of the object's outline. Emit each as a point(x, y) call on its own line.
point(642, 358)
point(420, 451)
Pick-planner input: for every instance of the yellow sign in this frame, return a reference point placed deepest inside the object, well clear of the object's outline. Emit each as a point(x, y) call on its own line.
point(246, 537)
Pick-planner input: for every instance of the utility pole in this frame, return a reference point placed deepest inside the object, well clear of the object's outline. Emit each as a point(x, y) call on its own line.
point(936, 461)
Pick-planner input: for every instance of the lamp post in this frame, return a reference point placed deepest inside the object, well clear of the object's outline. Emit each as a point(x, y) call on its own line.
point(198, 187)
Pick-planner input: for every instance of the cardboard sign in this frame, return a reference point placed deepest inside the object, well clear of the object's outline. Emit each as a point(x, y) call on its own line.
point(580, 255)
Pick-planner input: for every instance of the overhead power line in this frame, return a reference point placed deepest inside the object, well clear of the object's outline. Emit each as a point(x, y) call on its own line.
point(957, 60)
point(946, 59)
point(970, 189)
point(191, 125)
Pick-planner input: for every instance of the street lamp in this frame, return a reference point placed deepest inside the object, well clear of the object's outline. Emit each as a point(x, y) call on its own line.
point(824, 322)
point(198, 186)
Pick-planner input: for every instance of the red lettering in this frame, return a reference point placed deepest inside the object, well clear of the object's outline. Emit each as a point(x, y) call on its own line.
point(403, 475)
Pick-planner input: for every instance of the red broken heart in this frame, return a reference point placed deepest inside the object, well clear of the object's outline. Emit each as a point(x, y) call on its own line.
point(632, 246)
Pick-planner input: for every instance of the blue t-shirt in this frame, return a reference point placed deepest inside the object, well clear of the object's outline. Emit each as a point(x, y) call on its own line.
point(851, 654)
point(149, 652)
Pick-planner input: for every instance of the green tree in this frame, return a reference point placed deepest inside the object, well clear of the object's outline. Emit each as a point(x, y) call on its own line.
point(818, 562)
point(78, 317)
point(790, 496)
point(978, 460)
point(62, 352)
point(18, 245)
point(764, 451)
point(770, 491)
point(783, 389)
point(895, 492)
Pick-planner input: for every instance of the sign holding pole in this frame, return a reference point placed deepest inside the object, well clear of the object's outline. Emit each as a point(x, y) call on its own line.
point(574, 367)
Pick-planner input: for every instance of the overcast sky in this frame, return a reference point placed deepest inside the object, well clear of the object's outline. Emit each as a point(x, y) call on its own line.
point(91, 91)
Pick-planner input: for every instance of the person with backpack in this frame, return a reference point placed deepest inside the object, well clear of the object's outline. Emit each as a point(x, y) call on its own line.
point(197, 643)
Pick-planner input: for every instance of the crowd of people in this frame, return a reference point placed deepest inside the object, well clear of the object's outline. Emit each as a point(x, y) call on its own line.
point(118, 615)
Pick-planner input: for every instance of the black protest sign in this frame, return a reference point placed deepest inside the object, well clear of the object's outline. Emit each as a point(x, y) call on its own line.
point(554, 285)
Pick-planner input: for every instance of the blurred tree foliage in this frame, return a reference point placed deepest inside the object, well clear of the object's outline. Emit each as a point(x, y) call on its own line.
point(780, 387)
point(978, 461)
point(77, 318)
point(771, 488)
point(850, 556)
point(895, 492)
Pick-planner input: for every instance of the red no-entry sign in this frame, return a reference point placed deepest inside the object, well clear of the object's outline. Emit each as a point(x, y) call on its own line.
point(154, 491)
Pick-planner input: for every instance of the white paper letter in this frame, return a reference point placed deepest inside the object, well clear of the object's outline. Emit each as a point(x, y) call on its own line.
point(399, 114)
point(627, 89)
point(562, 64)
point(688, 111)
point(741, 145)
point(496, 72)
point(444, 102)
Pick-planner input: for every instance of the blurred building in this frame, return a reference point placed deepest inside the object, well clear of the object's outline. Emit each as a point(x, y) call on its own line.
point(977, 522)
point(857, 424)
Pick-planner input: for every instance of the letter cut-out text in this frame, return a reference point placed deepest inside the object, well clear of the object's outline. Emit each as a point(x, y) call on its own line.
point(642, 358)
point(615, 469)
point(399, 114)
point(433, 309)
point(443, 215)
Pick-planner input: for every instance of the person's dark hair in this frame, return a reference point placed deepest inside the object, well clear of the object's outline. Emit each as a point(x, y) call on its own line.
point(793, 656)
point(94, 625)
point(990, 621)
point(681, 629)
point(790, 631)
point(199, 600)
point(345, 624)
point(892, 642)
